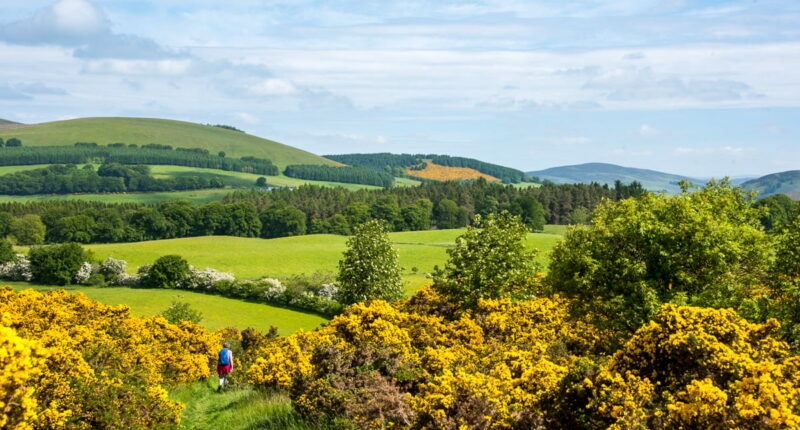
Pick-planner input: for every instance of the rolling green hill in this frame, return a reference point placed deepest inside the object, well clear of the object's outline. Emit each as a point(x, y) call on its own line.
point(777, 183)
point(604, 173)
point(142, 131)
point(7, 122)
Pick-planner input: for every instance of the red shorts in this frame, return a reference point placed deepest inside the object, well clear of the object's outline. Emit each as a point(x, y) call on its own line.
point(224, 369)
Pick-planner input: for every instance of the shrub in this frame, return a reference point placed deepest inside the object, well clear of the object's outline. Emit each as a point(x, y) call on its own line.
point(7, 253)
point(703, 248)
point(369, 268)
point(489, 261)
point(57, 264)
point(181, 311)
point(168, 271)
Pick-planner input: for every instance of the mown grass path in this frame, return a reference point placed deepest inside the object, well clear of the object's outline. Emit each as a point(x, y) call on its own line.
point(237, 408)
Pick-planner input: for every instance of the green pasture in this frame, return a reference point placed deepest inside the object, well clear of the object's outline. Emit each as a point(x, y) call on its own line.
point(218, 312)
point(249, 258)
point(142, 131)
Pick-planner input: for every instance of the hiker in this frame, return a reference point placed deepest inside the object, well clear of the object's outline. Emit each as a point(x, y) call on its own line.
point(225, 364)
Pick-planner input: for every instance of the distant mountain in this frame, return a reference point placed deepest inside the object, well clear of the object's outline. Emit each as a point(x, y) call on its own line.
point(777, 183)
point(604, 173)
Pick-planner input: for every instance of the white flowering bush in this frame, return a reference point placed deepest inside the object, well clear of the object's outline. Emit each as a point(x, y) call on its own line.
point(128, 280)
point(19, 270)
point(84, 273)
point(274, 289)
point(328, 291)
point(205, 279)
point(112, 267)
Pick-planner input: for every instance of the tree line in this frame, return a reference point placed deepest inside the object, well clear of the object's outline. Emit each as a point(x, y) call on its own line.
point(345, 174)
point(108, 178)
point(88, 152)
point(396, 163)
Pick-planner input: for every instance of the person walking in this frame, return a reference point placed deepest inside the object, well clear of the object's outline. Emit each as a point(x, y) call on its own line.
point(224, 365)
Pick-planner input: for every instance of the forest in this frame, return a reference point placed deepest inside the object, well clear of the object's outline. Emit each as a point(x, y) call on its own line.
point(108, 178)
point(396, 164)
point(88, 152)
point(345, 174)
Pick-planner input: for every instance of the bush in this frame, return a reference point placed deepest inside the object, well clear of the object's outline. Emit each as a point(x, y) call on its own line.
point(168, 271)
point(703, 248)
point(489, 261)
point(57, 264)
point(369, 268)
point(7, 253)
point(181, 311)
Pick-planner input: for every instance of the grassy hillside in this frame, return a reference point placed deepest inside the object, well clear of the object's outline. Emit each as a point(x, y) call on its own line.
point(168, 132)
point(777, 183)
point(603, 173)
point(283, 257)
point(7, 122)
point(218, 312)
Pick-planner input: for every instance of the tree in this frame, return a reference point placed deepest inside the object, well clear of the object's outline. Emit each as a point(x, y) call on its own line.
point(261, 181)
point(28, 230)
point(449, 215)
point(283, 220)
point(241, 219)
point(221, 154)
point(5, 223)
point(13, 142)
point(357, 213)
point(705, 248)
point(338, 224)
point(57, 264)
point(532, 213)
point(78, 228)
point(167, 272)
point(387, 209)
point(579, 215)
point(780, 211)
point(369, 268)
point(181, 311)
point(418, 216)
point(490, 260)
point(6, 252)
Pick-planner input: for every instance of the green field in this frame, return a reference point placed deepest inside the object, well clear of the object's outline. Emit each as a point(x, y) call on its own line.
point(142, 131)
point(233, 180)
point(253, 258)
point(218, 312)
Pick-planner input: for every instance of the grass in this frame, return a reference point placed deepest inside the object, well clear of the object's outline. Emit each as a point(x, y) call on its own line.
point(233, 180)
point(218, 312)
point(287, 256)
point(239, 407)
point(142, 131)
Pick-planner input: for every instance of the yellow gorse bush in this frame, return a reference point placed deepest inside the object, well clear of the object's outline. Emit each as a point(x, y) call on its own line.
point(76, 363)
point(529, 364)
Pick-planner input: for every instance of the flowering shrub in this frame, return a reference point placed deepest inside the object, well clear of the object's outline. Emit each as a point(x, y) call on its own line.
point(81, 364)
point(19, 270)
point(204, 280)
point(84, 272)
point(529, 364)
point(112, 268)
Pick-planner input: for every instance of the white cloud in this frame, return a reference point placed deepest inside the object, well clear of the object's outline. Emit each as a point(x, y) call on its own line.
point(722, 150)
point(273, 87)
point(647, 130)
point(67, 22)
point(246, 117)
point(139, 67)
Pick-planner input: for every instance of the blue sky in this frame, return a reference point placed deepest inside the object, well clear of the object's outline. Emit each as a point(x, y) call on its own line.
point(700, 88)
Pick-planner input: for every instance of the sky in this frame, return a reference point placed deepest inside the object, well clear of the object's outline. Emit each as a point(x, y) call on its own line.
point(698, 88)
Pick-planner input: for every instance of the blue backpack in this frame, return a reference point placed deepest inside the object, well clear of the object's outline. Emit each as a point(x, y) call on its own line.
point(223, 357)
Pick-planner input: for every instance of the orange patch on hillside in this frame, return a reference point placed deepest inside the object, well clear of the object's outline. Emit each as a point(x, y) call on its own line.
point(444, 173)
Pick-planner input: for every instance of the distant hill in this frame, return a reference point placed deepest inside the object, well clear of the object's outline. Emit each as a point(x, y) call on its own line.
point(7, 122)
point(432, 166)
point(777, 183)
point(167, 132)
point(604, 173)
